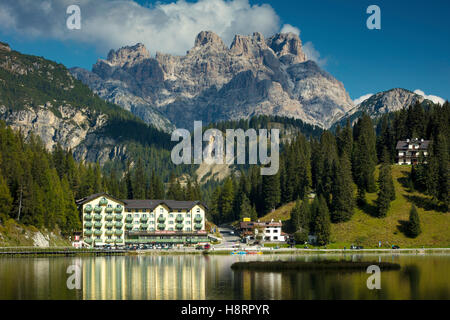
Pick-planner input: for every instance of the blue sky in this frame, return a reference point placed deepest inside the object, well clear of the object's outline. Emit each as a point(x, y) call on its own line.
point(410, 51)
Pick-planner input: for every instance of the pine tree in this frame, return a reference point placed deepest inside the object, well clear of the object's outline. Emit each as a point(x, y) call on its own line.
point(271, 192)
point(342, 204)
point(321, 222)
point(139, 181)
point(226, 201)
point(246, 208)
point(386, 191)
point(295, 216)
point(364, 156)
point(413, 229)
point(157, 186)
point(5, 199)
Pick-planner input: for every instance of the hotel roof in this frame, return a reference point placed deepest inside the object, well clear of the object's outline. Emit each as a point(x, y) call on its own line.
point(403, 145)
point(146, 204)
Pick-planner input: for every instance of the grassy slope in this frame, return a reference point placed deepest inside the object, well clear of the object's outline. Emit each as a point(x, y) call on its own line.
point(13, 234)
point(366, 230)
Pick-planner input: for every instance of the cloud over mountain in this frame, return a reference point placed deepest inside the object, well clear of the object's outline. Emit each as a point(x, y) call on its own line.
point(433, 98)
point(161, 27)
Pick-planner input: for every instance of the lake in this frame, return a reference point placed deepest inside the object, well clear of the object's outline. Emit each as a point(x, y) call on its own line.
point(198, 277)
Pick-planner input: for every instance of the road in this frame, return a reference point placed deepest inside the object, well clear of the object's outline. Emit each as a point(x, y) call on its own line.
point(229, 240)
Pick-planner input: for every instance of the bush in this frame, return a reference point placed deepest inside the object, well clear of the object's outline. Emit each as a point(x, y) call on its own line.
point(301, 236)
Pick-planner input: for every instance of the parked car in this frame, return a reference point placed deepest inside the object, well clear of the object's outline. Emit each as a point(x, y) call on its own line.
point(207, 246)
point(394, 246)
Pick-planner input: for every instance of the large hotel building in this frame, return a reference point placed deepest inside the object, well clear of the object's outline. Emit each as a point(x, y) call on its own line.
point(107, 220)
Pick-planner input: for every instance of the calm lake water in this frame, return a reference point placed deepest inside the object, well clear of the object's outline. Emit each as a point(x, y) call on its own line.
point(193, 277)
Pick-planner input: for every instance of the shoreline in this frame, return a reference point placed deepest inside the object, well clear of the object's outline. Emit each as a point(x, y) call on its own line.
point(68, 251)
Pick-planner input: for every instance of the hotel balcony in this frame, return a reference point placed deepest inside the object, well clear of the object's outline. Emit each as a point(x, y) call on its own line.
point(97, 209)
point(103, 202)
point(118, 209)
point(88, 209)
point(88, 217)
point(97, 217)
point(118, 217)
point(118, 225)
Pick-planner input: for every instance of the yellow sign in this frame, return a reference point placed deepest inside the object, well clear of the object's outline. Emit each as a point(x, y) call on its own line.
point(247, 220)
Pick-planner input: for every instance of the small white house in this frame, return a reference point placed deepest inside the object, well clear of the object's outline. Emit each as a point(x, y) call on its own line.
point(271, 230)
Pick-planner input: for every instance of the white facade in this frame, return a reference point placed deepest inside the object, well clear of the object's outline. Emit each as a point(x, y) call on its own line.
point(103, 221)
point(106, 220)
point(273, 234)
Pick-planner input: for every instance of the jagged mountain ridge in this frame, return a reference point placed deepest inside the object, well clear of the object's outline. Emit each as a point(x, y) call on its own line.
point(254, 76)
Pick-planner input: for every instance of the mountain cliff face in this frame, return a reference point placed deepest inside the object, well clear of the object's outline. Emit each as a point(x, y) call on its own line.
point(212, 82)
point(41, 97)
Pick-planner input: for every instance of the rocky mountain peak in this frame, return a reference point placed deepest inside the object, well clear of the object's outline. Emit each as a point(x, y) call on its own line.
point(130, 55)
point(5, 47)
point(248, 45)
point(206, 38)
point(287, 45)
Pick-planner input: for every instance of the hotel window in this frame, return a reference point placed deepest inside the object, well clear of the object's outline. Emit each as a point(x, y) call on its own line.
point(188, 215)
point(136, 216)
point(275, 238)
point(187, 222)
point(170, 229)
point(128, 210)
point(188, 229)
point(170, 222)
point(136, 222)
point(152, 229)
point(171, 215)
point(144, 216)
point(152, 222)
point(152, 215)
point(198, 210)
point(145, 210)
point(161, 210)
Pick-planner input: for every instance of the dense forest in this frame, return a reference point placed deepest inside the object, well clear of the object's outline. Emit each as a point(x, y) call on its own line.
point(334, 165)
point(39, 188)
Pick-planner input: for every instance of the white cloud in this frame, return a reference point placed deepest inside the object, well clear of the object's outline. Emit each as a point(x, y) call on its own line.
point(435, 99)
point(313, 54)
point(362, 98)
point(288, 28)
point(106, 24)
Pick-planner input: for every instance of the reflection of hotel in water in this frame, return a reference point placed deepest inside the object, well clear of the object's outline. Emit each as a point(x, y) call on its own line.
point(144, 278)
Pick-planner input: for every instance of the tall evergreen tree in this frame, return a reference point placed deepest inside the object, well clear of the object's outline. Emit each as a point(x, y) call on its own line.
point(5, 199)
point(386, 188)
point(321, 222)
point(413, 228)
point(271, 192)
point(364, 156)
point(342, 204)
